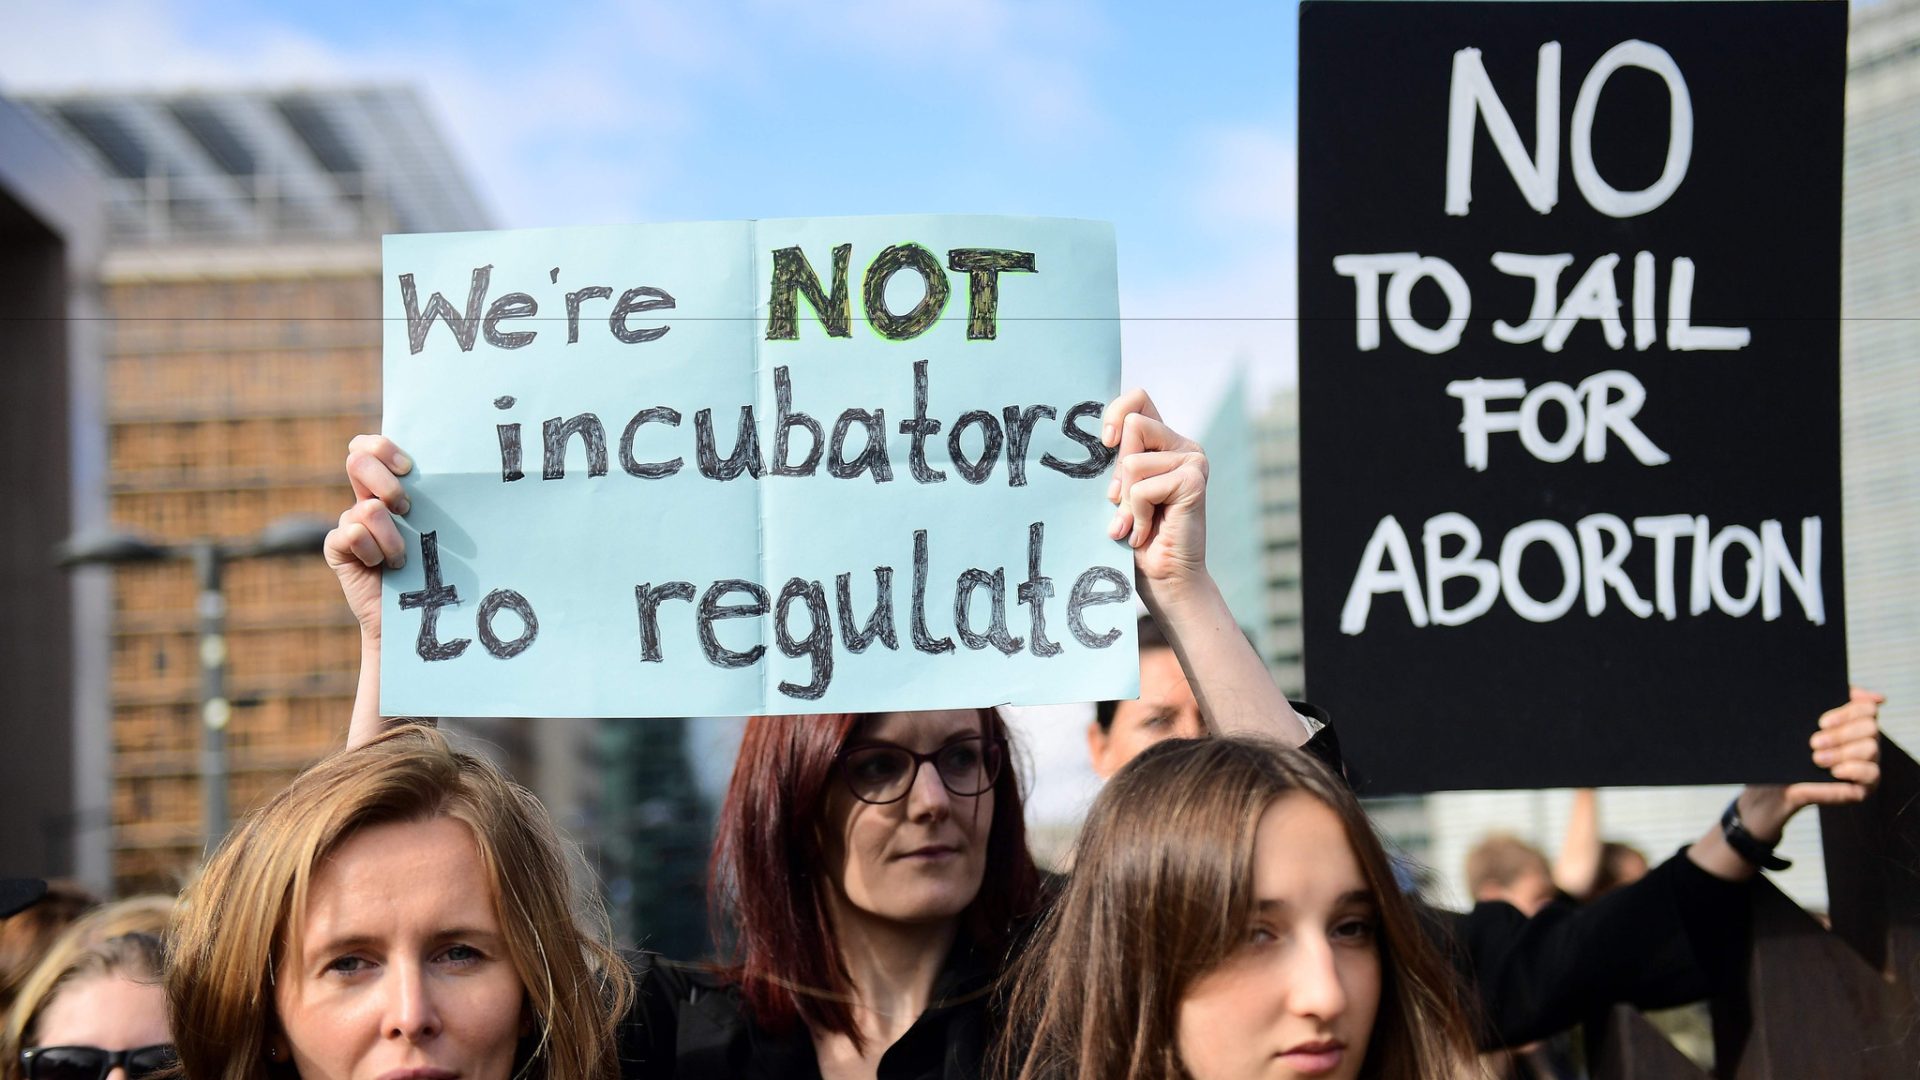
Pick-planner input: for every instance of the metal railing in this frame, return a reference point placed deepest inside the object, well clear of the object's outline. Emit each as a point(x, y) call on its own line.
point(162, 208)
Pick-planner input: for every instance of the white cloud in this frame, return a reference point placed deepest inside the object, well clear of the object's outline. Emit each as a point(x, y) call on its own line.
point(1185, 337)
point(1024, 59)
point(139, 44)
point(1248, 180)
point(588, 118)
point(1184, 341)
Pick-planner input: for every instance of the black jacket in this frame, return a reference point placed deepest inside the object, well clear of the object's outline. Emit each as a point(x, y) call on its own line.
point(1675, 936)
point(690, 1025)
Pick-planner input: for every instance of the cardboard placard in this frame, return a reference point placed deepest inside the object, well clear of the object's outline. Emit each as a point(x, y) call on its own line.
point(1569, 283)
point(755, 467)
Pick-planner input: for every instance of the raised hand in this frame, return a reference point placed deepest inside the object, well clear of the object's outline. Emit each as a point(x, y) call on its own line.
point(1160, 489)
point(1847, 745)
point(366, 538)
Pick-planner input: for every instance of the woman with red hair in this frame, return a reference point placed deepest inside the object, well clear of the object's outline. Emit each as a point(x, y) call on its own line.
point(873, 869)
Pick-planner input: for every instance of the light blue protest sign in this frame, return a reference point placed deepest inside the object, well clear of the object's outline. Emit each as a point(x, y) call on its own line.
point(838, 464)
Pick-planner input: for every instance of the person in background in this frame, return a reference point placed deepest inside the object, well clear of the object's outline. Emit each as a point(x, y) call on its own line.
point(95, 1014)
point(1620, 865)
point(1588, 867)
point(1502, 868)
point(26, 934)
point(1167, 708)
point(138, 916)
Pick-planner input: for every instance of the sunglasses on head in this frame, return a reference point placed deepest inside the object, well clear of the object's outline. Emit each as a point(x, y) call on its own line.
point(93, 1063)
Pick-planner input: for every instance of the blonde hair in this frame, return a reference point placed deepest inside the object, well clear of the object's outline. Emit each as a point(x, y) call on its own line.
point(74, 957)
point(1162, 892)
point(246, 906)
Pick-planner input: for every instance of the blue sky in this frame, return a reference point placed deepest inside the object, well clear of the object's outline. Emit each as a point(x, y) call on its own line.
point(1176, 124)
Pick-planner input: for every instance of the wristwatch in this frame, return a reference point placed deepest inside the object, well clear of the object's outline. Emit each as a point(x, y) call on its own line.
point(1745, 843)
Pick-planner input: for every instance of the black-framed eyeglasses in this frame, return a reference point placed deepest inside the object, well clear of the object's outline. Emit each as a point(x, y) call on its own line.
point(93, 1063)
point(882, 773)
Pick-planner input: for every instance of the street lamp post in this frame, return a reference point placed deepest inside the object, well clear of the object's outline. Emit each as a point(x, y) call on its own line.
point(210, 604)
point(286, 536)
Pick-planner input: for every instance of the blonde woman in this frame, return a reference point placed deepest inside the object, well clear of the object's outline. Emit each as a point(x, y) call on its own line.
point(91, 1013)
point(400, 910)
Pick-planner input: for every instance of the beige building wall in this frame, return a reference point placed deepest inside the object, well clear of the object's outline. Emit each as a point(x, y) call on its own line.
point(234, 380)
point(1880, 360)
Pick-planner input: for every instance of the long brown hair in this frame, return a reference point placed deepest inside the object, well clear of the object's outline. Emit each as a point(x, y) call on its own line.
point(768, 884)
point(1162, 892)
point(244, 910)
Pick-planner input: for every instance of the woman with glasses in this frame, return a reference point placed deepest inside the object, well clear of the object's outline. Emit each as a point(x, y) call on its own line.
point(873, 869)
point(95, 1014)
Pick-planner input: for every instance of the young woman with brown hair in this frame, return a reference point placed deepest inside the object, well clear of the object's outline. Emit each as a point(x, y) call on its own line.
point(1232, 915)
point(401, 911)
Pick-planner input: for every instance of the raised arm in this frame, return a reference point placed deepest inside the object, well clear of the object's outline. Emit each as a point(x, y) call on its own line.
point(357, 549)
point(1159, 488)
point(1847, 745)
point(1577, 866)
point(1677, 935)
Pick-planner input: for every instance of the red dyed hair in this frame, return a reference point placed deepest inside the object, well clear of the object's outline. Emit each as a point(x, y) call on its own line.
point(767, 881)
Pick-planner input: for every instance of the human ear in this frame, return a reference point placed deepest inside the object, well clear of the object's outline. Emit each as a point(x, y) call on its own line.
point(1097, 746)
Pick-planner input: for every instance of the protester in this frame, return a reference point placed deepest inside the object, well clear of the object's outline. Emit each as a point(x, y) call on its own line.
point(1675, 936)
point(138, 916)
point(94, 1014)
point(1620, 865)
point(887, 992)
point(1502, 868)
point(1586, 866)
point(46, 908)
point(400, 909)
point(1231, 915)
point(846, 964)
point(873, 871)
point(1167, 708)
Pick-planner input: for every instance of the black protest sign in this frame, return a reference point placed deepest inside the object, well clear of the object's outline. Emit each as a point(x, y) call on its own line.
point(1569, 373)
